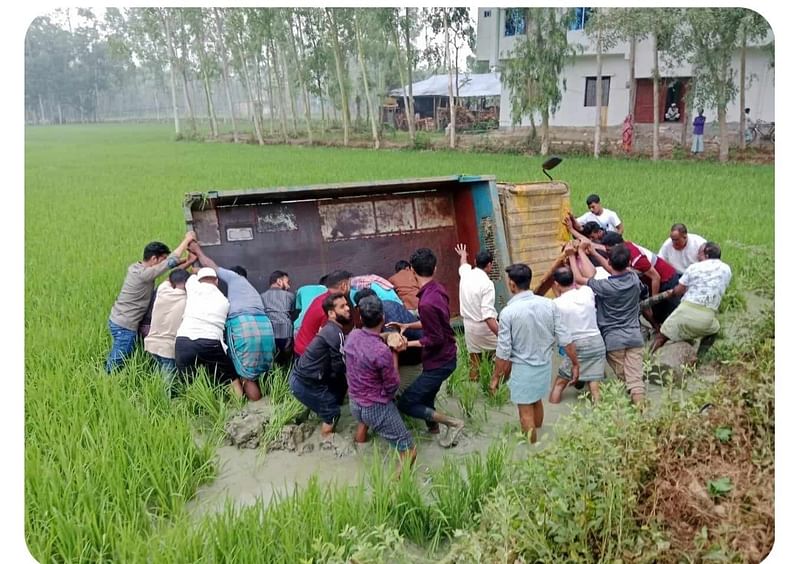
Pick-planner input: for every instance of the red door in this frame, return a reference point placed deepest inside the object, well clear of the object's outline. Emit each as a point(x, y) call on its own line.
point(643, 108)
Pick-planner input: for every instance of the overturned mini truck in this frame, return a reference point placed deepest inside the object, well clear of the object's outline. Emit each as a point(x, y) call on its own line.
point(366, 227)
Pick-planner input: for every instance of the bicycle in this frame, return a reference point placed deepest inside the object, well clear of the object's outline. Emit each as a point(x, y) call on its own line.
point(764, 130)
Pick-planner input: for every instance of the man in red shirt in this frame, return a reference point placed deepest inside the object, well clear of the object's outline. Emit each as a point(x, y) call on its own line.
point(315, 319)
point(657, 274)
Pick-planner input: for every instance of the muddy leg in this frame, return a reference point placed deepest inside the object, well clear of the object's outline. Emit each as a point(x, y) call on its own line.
point(236, 386)
point(251, 389)
point(558, 388)
point(658, 342)
point(594, 387)
point(474, 366)
point(454, 428)
point(361, 433)
point(527, 420)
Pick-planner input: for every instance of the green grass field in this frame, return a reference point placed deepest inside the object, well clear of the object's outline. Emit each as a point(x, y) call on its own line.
point(111, 462)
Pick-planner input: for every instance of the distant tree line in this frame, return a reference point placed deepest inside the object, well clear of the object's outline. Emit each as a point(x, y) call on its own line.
point(285, 60)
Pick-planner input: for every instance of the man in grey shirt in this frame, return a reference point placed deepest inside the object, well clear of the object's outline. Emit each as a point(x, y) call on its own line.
point(134, 297)
point(248, 331)
point(617, 299)
point(279, 305)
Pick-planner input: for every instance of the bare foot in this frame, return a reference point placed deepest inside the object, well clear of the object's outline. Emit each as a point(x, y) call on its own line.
point(453, 434)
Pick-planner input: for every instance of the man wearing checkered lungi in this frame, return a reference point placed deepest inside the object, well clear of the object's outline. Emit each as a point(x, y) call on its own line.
point(249, 336)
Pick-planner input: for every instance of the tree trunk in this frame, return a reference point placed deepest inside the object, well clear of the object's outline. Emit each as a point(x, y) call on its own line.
point(172, 80)
point(598, 95)
point(742, 70)
point(259, 113)
point(281, 105)
point(656, 86)
point(188, 99)
point(300, 66)
point(722, 117)
point(212, 116)
point(412, 120)
point(60, 114)
point(289, 93)
point(360, 47)
point(158, 107)
point(246, 73)
point(687, 113)
point(337, 55)
point(448, 64)
point(632, 80)
point(225, 83)
point(41, 109)
point(545, 149)
point(271, 93)
point(396, 39)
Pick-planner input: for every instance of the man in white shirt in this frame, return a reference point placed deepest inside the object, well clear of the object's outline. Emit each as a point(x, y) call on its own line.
point(199, 337)
point(607, 219)
point(681, 248)
point(575, 305)
point(165, 320)
point(702, 287)
point(476, 297)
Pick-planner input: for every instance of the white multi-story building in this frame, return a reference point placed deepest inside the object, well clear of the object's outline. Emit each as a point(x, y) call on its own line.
point(499, 28)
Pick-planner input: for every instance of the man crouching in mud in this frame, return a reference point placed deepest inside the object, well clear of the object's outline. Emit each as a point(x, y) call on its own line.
point(373, 379)
point(318, 378)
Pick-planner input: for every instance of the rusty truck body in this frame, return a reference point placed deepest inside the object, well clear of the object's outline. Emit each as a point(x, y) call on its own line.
point(366, 227)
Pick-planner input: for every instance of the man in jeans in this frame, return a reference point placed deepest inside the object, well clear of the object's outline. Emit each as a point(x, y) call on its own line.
point(318, 378)
point(439, 353)
point(166, 319)
point(617, 300)
point(134, 297)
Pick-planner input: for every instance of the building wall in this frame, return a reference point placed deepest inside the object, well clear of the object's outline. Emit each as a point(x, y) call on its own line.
point(493, 45)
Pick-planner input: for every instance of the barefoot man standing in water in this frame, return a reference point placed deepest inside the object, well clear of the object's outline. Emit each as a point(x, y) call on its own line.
point(530, 326)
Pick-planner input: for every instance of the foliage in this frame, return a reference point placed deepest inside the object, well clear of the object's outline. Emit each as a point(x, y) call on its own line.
point(533, 73)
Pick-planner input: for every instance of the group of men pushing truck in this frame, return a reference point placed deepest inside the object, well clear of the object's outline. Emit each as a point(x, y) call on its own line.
point(389, 344)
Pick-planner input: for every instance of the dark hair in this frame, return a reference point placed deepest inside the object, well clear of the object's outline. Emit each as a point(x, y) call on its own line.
point(712, 250)
point(592, 199)
point(155, 249)
point(371, 310)
point(323, 279)
point(328, 304)
point(333, 279)
point(521, 275)
point(747, 110)
point(363, 293)
point(679, 227)
point(563, 276)
point(612, 238)
point(401, 265)
point(619, 257)
point(240, 270)
point(423, 262)
point(483, 258)
point(178, 276)
point(277, 275)
point(591, 227)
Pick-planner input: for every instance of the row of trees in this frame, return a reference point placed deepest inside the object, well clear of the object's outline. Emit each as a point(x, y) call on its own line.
point(705, 38)
point(287, 60)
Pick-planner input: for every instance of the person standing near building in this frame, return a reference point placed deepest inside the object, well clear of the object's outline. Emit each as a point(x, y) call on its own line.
point(476, 298)
point(530, 327)
point(697, 132)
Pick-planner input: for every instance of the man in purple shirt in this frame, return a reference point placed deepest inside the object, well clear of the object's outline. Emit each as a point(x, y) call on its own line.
point(438, 350)
point(697, 131)
point(373, 379)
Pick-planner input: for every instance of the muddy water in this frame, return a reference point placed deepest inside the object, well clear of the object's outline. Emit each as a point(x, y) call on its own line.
point(247, 475)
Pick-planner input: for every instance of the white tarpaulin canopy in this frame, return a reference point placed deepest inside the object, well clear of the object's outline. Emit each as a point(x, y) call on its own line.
point(469, 86)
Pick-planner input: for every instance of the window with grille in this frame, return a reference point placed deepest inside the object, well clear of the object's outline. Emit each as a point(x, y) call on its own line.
point(487, 13)
point(590, 94)
point(515, 21)
point(580, 18)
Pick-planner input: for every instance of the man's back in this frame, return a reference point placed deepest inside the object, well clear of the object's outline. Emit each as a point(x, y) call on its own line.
point(617, 300)
point(278, 305)
point(476, 294)
point(407, 287)
point(205, 312)
point(305, 295)
point(706, 282)
point(371, 375)
point(167, 315)
point(529, 327)
point(134, 296)
point(313, 321)
point(243, 297)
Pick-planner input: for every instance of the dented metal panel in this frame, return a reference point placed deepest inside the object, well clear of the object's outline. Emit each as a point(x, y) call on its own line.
point(434, 211)
point(206, 227)
point(275, 217)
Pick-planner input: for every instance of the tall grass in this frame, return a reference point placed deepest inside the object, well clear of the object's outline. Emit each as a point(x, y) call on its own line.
point(111, 461)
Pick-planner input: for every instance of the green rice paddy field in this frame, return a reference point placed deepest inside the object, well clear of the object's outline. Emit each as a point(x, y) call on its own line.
point(111, 462)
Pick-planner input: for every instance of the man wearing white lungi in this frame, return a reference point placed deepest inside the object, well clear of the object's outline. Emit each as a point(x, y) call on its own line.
point(476, 296)
point(530, 326)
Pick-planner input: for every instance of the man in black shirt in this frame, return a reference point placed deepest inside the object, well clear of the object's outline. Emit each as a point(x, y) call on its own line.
point(318, 378)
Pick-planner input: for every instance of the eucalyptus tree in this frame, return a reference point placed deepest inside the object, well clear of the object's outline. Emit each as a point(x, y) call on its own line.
point(237, 28)
point(362, 21)
point(533, 72)
point(335, 18)
point(197, 20)
point(222, 53)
